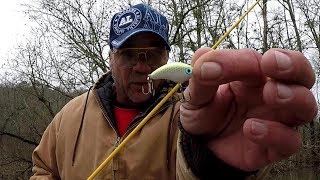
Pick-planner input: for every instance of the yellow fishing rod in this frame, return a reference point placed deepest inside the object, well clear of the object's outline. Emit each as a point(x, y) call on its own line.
point(157, 107)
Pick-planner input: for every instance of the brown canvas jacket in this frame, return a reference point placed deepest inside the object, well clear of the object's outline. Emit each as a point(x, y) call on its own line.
point(82, 135)
point(71, 150)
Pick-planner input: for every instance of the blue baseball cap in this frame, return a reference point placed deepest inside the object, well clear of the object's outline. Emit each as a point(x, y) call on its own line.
point(137, 19)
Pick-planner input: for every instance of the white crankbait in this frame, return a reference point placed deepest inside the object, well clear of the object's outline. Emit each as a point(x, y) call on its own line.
point(177, 72)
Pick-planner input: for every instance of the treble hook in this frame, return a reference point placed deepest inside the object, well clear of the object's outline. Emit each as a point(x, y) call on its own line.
point(183, 99)
point(150, 87)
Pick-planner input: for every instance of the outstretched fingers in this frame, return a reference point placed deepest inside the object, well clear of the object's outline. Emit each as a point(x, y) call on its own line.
point(212, 68)
point(277, 141)
point(288, 66)
point(292, 105)
point(212, 71)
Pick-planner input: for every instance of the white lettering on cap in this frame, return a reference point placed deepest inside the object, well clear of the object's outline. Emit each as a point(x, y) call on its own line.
point(127, 20)
point(152, 20)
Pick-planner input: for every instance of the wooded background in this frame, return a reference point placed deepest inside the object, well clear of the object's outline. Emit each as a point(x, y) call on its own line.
point(68, 51)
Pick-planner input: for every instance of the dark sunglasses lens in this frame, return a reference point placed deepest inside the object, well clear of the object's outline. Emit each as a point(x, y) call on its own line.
point(155, 55)
point(152, 56)
point(129, 55)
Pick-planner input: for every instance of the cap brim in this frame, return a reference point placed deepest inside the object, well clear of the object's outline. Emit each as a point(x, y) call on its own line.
point(118, 42)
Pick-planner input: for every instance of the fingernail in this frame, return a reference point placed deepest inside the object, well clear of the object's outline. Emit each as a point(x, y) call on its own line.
point(210, 70)
point(283, 61)
point(284, 92)
point(258, 129)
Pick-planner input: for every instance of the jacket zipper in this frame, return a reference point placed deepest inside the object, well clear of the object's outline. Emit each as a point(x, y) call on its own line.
point(115, 160)
point(118, 140)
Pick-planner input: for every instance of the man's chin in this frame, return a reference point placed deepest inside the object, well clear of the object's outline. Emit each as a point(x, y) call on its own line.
point(139, 97)
point(136, 95)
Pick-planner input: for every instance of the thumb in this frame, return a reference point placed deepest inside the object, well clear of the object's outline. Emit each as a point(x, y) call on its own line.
point(199, 94)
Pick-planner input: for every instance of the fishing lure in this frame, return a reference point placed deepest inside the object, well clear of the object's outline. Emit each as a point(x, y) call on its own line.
point(177, 72)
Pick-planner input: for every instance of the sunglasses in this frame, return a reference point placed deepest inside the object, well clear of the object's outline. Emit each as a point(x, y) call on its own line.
point(152, 56)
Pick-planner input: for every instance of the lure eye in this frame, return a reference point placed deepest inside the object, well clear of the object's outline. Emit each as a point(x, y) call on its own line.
point(188, 71)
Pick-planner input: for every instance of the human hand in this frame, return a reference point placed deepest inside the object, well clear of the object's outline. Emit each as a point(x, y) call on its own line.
point(246, 105)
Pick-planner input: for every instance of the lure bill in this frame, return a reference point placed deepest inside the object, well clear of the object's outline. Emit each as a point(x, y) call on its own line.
point(177, 72)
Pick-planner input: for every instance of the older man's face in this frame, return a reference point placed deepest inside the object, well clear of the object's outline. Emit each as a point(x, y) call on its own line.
point(132, 63)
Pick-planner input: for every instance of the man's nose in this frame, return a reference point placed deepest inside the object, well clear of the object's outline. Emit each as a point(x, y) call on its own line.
point(142, 65)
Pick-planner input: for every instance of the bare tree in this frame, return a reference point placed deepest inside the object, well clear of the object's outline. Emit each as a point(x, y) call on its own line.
point(80, 27)
point(23, 121)
point(311, 10)
point(289, 6)
point(265, 26)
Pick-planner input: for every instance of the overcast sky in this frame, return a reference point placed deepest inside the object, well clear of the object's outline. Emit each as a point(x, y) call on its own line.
point(13, 26)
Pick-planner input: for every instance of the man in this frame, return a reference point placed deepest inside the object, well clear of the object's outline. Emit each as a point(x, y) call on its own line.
point(240, 118)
